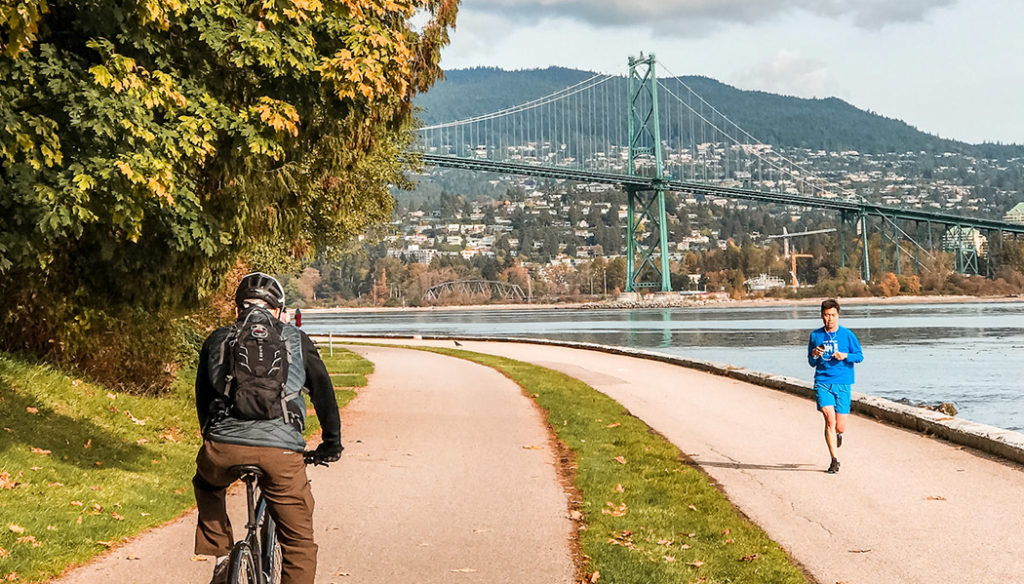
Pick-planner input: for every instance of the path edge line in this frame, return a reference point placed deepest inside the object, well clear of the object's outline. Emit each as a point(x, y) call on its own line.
point(999, 442)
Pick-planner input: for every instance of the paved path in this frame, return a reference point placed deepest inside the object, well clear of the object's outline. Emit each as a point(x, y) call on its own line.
point(905, 508)
point(448, 476)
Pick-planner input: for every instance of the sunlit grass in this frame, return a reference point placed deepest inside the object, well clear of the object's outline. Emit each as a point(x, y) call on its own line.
point(87, 468)
point(648, 518)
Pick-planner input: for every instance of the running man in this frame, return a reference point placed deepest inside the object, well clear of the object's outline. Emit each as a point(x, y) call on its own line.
point(832, 350)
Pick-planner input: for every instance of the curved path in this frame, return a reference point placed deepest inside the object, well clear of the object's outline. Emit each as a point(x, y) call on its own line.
point(905, 508)
point(448, 476)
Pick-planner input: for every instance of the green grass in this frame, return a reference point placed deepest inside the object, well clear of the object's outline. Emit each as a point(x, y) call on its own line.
point(116, 464)
point(653, 519)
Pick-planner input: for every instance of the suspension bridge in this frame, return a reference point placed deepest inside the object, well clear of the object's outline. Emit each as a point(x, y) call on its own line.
point(651, 135)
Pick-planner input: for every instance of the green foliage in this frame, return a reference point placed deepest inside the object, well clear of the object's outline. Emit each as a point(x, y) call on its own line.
point(146, 146)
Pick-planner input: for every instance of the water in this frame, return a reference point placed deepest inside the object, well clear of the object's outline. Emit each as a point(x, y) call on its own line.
point(969, 354)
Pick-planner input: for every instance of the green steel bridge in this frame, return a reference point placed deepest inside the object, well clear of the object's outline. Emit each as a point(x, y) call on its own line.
point(682, 144)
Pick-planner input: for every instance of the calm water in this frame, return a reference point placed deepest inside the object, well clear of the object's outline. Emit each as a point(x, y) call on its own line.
point(970, 354)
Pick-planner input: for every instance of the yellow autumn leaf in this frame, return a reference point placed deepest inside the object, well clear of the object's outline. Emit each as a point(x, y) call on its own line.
point(16, 528)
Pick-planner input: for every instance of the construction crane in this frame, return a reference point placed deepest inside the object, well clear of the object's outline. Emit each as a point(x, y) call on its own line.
point(785, 236)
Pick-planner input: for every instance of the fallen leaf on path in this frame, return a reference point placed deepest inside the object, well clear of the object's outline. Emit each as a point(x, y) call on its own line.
point(464, 570)
point(864, 551)
point(42, 451)
point(107, 543)
point(32, 410)
point(198, 558)
point(593, 577)
point(343, 574)
point(16, 528)
point(132, 558)
point(935, 498)
point(575, 515)
point(531, 447)
point(620, 459)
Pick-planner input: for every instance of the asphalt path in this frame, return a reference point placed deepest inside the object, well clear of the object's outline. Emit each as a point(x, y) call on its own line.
point(904, 508)
point(448, 475)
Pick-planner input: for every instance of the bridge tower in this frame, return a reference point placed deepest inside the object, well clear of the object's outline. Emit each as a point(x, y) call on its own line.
point(645, 207)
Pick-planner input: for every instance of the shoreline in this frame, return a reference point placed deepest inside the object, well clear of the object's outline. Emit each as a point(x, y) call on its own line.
point(712, 302)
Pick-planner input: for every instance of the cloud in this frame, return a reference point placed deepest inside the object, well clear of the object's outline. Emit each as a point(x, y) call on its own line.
point(691, 18)
point(789, 73)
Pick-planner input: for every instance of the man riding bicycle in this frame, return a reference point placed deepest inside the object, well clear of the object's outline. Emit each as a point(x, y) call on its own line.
point(251, 411)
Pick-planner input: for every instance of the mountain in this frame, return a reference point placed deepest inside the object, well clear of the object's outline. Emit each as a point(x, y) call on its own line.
point(819, 124)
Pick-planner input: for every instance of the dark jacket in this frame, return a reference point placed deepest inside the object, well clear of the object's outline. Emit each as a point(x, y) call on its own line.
point(277, 432)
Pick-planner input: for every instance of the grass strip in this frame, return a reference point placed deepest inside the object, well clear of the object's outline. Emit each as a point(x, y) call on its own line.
point(84, 468)
point(648, 518)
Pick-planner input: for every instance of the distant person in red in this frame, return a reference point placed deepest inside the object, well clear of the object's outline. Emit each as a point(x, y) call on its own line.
point(298, 317)
point(832, 350)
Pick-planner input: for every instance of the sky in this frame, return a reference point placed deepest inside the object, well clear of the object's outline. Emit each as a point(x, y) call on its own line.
point(954, 68)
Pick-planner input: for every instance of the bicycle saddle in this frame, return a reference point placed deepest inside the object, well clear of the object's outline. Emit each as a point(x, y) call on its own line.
point(241, 470)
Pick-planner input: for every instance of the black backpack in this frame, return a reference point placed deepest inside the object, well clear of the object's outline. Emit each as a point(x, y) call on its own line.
point(256, 366)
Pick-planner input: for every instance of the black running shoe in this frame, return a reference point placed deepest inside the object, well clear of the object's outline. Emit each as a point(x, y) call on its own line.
point(839, 439)
point(834, 467)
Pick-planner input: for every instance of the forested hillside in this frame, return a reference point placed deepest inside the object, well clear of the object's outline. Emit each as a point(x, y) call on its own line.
point(784, 121)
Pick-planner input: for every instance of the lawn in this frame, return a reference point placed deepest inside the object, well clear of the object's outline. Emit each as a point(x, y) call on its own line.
point(83, 468)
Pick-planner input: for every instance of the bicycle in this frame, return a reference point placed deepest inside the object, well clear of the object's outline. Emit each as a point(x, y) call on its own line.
point(256, 558)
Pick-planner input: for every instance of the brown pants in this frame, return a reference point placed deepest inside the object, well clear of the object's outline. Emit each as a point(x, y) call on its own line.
point(289, 498)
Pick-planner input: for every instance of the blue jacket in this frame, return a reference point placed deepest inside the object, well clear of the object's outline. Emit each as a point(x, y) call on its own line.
point(827, 369)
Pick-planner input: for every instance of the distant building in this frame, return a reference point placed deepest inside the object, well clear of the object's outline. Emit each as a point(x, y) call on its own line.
point(1015, 215)
point(763, 283)
point(960, 237)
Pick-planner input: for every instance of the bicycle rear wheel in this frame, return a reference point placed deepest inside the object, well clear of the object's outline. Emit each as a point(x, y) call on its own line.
point(271, 551)
point(242, 568)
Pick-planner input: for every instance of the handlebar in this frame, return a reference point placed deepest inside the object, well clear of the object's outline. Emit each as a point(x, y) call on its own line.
point(311, 457)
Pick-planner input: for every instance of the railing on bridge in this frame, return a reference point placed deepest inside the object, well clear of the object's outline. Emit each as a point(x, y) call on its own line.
point(489, 288)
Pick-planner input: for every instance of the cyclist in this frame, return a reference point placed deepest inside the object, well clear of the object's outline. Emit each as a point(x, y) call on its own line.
point(242, 425)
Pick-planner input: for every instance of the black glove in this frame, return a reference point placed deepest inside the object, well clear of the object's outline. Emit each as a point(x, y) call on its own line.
point(327, 452)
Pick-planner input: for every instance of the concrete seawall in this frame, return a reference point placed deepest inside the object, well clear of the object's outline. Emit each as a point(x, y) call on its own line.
point(988, 439)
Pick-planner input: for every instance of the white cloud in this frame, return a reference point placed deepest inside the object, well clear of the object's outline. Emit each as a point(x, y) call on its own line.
point(788, 73)
point(691, 18)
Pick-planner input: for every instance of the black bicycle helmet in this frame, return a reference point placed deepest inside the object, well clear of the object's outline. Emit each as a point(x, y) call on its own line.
point(258, 285)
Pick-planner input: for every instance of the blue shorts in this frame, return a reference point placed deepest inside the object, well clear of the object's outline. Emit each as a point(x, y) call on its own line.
point(836, 395)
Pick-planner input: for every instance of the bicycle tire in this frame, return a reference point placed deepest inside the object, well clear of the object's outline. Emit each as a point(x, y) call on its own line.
point(242, 567)
point(271, 551)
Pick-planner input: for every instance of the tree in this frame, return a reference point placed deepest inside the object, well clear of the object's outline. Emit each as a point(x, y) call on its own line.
point(147, 147)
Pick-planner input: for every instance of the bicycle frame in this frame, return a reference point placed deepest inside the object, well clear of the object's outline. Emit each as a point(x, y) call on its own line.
point(255, 558)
